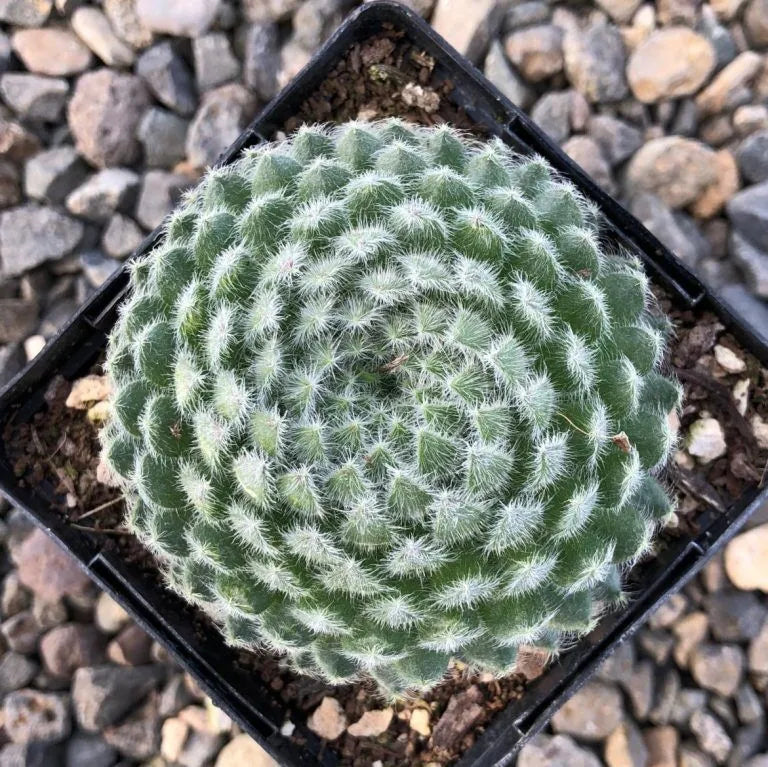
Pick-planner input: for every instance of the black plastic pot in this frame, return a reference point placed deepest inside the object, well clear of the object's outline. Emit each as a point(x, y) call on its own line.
point(255, 708)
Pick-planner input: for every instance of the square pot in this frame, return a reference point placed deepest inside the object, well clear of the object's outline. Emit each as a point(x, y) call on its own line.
point(245, 698)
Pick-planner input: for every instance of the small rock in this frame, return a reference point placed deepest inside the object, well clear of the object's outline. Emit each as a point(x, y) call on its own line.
point(729, 360)
point(66, 648)
point(756, 22)
point(687, 701)
point(16, 671)
point(262, 60)
point(468, 27)
point(87, 390)
point(555, 751)
point(49, 614)
point(10, 193)
point(758, 652)
point(315, 20)
point(591, 714)
point(726, 9)
point(712, 199)
point(328, 719)
point(586, 153)
point(372, 723)
point(163, 135)
point(25, 13)
point(672, 62)
point(717, 667)
point(53, 51)
point(463, 712)
point(89, 751)
point(706, 440)
point(621, 11)
point(536, 51)
point(103, 193)
point(138, 735)
point(746, 560)
point(21, 632)
point(625, 747)
point(16, 142)
point(18, 318)
point(639, 687)
point(661, 743)
point(11, 362)
point(48, 570)
point(690, 631)
point(660, 220)
point(178, 18)
point(102, 694)
point(552, 113)
point(748, 705)
point(741, 395)
point(505, 78)
point(13, 596)
point(419, 721)
point(619, 664)
point(206, 719)
point(29, 715)
point(94, 29)
point(750, 118)
point(760, 430)
point(215, 64)
point(748, 211)
point(670, 610)
point(160, 191)
point(667, 692)
point(131, 647)
point(678, 170)
point(595, 62)
point(711, 735)
point(173, 735)
point(126, 23)
point(103, 115)
point(174, 697)
point(753, 157)
point(223, 114)
point(121, 236)
point(52, 174)
point(109, 616)
point(168, 77)
point(729, 84)
point(200, 749)
point(243, 750)
point(616, 138)
point(34, 97)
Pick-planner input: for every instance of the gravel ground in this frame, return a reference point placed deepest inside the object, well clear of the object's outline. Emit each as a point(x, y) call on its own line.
point(111, 109)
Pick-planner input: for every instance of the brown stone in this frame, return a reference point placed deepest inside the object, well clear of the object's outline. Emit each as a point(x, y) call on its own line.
point(51, 51)
point(711, 201)
point(672, 62)
point(662, 743)
point(49, 571)
point(536, 51)
point(66, 648)
point(104, 113)
point(463, 712)
point(729, 83)
point(675, 169)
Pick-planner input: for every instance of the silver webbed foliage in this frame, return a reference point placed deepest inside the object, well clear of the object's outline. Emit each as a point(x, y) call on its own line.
point(384, 400)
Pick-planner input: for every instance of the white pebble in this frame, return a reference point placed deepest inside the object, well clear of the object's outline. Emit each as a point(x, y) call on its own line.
point(760, 429)
point(706, 440)
point(741, 395)
point(33, 346)
point(729, 360)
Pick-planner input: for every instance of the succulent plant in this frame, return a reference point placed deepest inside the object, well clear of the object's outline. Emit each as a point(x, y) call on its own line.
point(383, 400)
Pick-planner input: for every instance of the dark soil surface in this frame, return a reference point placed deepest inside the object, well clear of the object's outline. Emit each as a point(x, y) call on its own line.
point(59, 448)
